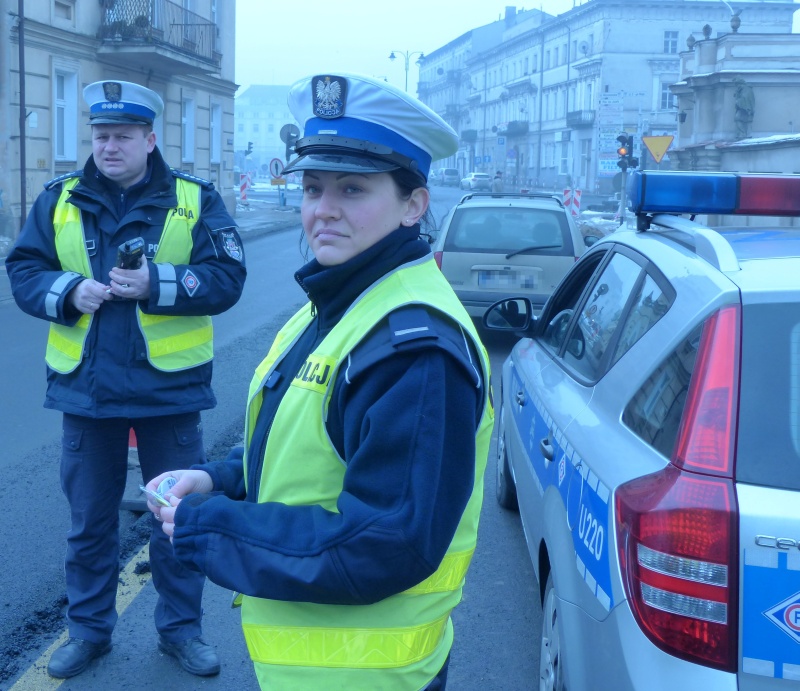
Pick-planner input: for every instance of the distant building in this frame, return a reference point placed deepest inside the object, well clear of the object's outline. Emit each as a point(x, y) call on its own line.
point(737, 103)
point(261, 111)
point(187, 56)
point(543, 98)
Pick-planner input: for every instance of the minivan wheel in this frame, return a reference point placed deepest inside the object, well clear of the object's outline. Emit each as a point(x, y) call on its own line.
point(551, 654)
point(505, 489)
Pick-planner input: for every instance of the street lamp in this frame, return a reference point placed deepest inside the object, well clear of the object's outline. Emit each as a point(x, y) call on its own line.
point(407, 57)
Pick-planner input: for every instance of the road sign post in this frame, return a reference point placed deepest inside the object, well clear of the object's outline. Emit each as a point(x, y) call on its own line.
point(276, 167)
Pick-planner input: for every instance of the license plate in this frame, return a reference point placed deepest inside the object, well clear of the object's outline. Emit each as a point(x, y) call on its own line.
point(500, 278)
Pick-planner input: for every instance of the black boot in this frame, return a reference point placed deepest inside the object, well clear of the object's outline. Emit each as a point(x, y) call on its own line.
point(74, 656)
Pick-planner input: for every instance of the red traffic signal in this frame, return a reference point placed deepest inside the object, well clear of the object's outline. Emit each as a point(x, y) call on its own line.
point(625, 145)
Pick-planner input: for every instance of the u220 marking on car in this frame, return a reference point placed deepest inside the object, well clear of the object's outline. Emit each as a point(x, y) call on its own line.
point(771, 631)
point(584, 497)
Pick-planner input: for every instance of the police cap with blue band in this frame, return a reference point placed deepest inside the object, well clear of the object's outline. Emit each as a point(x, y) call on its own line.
point(358, 124)
point(122, 103)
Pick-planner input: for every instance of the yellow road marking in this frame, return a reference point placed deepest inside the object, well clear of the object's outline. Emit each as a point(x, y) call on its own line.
point(36, 677)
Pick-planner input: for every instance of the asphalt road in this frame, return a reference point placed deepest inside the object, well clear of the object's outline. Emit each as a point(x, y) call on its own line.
point(497, 624)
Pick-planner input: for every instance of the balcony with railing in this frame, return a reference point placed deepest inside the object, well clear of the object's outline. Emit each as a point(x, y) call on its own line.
point(158, 34)
point(580, 118)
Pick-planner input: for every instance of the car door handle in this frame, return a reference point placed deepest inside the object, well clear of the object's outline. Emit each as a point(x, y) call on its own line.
point(546, 448)
point(520, 398)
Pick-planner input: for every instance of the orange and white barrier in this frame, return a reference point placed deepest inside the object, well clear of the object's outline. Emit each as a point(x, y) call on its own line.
point(572, 201)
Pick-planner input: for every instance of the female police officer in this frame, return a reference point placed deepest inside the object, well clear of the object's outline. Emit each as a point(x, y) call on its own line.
point(349, 524)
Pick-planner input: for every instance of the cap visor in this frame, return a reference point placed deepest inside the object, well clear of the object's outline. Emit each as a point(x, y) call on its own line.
point(119, 120)
point(343, 164)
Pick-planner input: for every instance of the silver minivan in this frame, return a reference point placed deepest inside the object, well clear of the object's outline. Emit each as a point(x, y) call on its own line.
point(496, 245)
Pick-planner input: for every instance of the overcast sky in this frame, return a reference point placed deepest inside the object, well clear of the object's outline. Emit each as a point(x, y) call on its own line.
point(281, 41)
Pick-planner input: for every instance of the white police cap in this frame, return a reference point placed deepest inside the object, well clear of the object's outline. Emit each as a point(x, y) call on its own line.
point(354, 123)
point(122, 103)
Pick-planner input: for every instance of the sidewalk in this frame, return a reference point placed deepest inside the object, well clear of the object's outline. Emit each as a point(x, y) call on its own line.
point(257, 220)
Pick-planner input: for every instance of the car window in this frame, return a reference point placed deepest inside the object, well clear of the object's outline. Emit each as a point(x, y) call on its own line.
point(651, 304)
point(654, 413)
point(505, 230)
point(600, 316)
point(558, 311)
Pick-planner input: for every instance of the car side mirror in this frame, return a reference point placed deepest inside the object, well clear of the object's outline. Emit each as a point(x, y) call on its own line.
point(589, 240)
point(513, 314)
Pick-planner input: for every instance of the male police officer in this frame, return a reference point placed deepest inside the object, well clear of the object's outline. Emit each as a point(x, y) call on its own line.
point(128, 348)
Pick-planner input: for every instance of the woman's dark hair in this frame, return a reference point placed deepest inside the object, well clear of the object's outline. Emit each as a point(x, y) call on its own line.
point(407, 182)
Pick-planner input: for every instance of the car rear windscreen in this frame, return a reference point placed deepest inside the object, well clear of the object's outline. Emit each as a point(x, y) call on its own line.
point(768, 449)
point(506, 230)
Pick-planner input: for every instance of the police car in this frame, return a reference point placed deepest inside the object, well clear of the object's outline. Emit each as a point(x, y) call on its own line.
point(649, 434)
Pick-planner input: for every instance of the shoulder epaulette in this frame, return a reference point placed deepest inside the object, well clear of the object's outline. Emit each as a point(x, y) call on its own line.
point(192, 178)
point(66, 176)
point(409, 329)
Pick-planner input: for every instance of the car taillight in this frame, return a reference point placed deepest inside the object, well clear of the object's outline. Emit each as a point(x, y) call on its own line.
point(438, 258)
point(677, 529)
point(708, 427)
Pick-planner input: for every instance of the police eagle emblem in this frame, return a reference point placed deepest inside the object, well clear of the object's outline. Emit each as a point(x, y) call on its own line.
point(112, 91)
point(329, 96)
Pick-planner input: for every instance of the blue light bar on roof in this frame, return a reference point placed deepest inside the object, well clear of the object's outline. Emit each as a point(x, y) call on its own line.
point(713, 193)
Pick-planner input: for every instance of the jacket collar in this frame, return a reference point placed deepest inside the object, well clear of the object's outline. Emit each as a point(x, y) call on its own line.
point(332, 289)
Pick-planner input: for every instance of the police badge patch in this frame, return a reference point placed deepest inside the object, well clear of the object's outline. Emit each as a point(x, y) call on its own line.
point(112, 91)
point(190, 282)
point(329, 95)
point(231, 245)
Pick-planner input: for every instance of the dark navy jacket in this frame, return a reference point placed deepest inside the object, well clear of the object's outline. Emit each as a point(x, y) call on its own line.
point(115, 379)
point(405, 425)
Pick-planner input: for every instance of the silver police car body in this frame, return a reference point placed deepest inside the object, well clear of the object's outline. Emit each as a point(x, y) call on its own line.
point(649, 432)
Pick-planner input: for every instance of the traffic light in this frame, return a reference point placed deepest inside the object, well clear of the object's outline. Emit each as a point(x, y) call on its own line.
point(624, 151)
point(249, 149)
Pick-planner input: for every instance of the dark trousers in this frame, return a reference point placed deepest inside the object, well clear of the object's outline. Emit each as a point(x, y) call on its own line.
point(94, 467)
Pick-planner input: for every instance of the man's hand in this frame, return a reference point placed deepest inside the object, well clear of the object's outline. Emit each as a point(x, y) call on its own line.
point(88, 295)
point(133, 284)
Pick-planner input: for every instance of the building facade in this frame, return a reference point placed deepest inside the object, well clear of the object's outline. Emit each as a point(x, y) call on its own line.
point(183, 50)
point(542, 98)
point(260, 113)
point(736, 101)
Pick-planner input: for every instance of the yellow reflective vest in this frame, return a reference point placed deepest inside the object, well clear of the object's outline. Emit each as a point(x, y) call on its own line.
point(401, 642)
point(173, 342)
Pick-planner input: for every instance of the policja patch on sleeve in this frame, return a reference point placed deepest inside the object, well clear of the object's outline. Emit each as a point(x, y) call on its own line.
point(190, 282)
point(230, 244)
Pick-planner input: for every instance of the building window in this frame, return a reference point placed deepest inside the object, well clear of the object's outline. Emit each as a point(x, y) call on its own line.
point(555, 57)
point(64, 11)
point(667, 98)
point(547, 60)
point(255, 127)
point(670, 41)
point(65, 122)
point(187, 122)
point(240, 127)
point(565, 158)
point(216, 133)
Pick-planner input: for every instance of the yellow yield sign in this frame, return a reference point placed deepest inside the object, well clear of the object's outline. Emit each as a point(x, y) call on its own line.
point(658, 146)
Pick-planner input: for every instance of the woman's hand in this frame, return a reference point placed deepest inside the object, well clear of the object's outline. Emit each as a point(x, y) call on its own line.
point(188, 482)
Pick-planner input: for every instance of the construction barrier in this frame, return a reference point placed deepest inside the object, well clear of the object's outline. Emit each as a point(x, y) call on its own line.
point(244, 185)
point(572, 201)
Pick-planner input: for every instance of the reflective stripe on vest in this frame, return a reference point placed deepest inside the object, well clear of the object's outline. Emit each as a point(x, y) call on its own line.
point(411, 629)
point(173, 343)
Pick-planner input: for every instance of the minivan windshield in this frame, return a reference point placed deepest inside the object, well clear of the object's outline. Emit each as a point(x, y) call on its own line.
point(509, 231)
